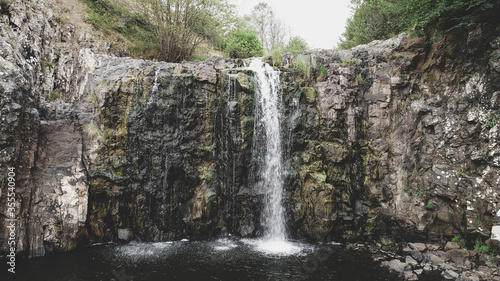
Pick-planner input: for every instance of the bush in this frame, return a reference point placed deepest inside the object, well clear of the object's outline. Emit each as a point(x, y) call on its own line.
point(244, 43)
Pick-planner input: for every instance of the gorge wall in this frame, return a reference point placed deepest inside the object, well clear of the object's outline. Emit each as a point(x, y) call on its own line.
point(396, 140)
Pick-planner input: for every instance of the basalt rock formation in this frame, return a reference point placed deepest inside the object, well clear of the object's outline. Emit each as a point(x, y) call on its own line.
point(396, 140)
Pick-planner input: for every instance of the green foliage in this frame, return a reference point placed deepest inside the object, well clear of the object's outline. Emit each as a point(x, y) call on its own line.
point(456, 239)
point(125, 28)
point(406, 188)
point(481, 247)
point(381, 19)
point(47, 63)
point(430, 205)
point(277, 55)
point(420, 193)
point(322, 70)
point(244, 43)
point(54, 95)
point(491, 123)
point(170, 30)
point(296, 44)
point(303, 66)
point(359, 79)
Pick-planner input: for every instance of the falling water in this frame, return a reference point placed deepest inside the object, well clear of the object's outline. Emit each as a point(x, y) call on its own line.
point(268, 129)
point(156, 84)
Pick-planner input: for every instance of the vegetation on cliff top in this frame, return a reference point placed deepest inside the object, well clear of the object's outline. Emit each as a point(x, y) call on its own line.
point(177, 30)
point(382, 19)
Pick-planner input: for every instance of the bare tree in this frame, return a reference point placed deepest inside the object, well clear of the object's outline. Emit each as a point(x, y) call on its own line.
point(181, 25)
point(271, 30)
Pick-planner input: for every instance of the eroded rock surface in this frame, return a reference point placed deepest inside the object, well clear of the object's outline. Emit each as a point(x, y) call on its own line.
point(394, 140)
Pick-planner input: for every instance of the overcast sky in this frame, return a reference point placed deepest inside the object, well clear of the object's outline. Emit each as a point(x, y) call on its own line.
point(320, 22)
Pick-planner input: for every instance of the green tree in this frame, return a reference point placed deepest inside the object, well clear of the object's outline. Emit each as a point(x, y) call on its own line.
point(244, 43)
point(381, 19)
point(296, 44)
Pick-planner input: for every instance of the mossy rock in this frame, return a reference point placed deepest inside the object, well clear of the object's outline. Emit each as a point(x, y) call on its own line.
point(310, 94)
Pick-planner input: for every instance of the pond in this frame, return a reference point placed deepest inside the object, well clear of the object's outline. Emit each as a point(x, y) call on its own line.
point(223, 259)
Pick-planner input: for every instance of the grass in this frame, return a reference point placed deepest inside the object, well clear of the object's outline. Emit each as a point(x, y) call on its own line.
point(303, 66)
point(277, 55)
point(406, 188)
point(93, 131)
point(456, 238)
point(359, 79)
point(118, 24)
point(54, 95)
point(347, 62)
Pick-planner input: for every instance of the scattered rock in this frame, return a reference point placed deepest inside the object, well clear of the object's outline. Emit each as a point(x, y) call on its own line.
point(395, 265)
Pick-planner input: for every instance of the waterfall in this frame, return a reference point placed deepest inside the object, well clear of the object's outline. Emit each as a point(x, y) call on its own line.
point(268, 133)
point(156, 84)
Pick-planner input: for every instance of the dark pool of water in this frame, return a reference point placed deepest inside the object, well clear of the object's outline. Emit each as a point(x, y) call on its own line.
point(213, 260)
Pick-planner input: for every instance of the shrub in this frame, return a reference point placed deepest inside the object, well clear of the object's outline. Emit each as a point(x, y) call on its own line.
point(244, 43)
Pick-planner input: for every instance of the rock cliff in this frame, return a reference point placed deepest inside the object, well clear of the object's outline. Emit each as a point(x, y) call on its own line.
point(396, 140)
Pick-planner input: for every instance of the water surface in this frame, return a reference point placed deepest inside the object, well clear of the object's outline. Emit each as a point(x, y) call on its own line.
point(224, 259)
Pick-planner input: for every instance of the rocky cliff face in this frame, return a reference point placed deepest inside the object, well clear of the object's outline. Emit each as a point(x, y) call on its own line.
point(395, 140)
point(43, 68)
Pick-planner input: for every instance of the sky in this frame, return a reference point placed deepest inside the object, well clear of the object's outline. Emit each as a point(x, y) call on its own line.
point(319, 22)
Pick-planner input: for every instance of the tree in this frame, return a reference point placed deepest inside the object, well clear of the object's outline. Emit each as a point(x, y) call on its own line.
point(272, 31)
point(244, 43)
point(381, 19)
point(180, 26)
point(296, 44)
